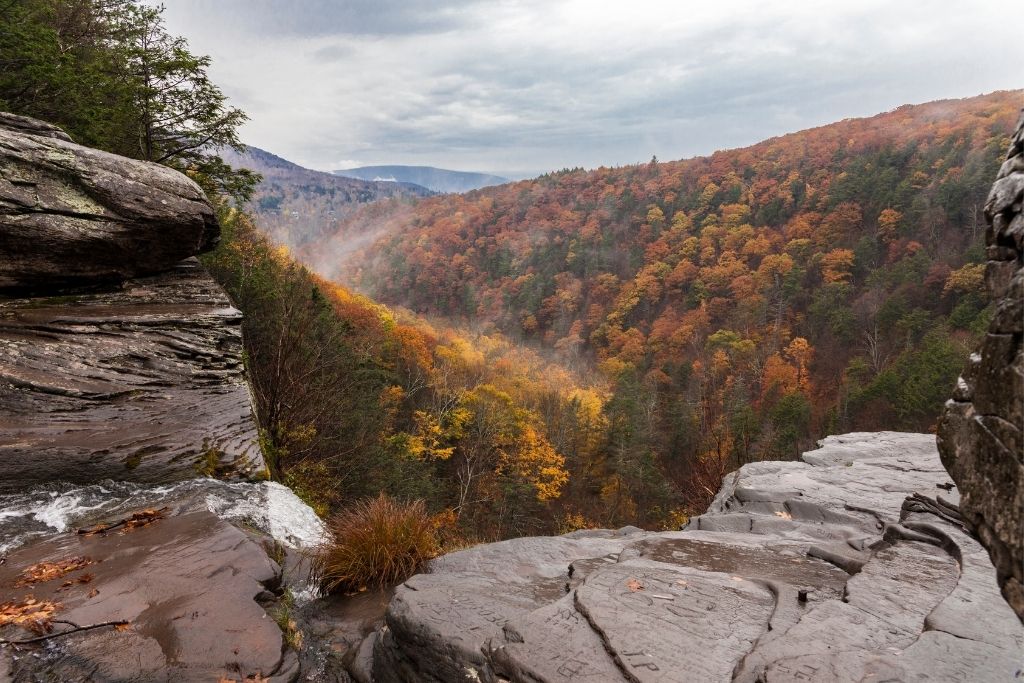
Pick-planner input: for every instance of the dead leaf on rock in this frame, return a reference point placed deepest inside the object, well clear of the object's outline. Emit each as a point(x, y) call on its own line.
point(35, 615)
point(84, 578)
point(48, 571)
point(634, 585)
point(126, 626)
point(144, 518)
point(135, 521)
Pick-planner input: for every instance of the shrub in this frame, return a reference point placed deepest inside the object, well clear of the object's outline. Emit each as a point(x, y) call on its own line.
point(377, 542)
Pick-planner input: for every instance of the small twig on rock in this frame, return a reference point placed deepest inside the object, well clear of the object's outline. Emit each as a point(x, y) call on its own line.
point(76, 629)
point(135, 521)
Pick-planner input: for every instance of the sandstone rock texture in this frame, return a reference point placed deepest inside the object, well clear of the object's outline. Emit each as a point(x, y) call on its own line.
point(144, 382)
point(980, 431)
point(851, 565)
point(72, 215)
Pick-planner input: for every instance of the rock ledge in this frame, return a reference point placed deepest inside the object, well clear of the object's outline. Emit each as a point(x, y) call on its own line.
point(850, 565)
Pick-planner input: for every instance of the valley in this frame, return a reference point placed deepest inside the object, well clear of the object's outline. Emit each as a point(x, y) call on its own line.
point(722, 310)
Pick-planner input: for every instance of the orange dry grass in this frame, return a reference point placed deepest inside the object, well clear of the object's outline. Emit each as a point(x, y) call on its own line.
point(377, 543)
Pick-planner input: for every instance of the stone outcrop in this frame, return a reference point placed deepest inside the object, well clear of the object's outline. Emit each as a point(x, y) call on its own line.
point(72, 215)
point(138, 380)
point(120, 363)
point(143, 383)
point(980, 431)
point(850, 565)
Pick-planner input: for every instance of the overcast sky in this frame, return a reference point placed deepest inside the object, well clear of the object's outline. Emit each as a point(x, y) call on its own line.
point(519, 87)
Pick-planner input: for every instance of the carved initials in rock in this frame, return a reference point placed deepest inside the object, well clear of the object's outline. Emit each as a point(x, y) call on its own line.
point(571, 668)
point(640, 660)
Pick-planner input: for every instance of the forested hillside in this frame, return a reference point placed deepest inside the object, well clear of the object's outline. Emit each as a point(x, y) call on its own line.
point(355, 400)
point(738, 305)
point(603, 346)
point(295, 205)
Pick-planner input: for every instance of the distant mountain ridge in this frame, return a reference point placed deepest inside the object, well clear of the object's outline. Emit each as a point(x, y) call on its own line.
point(436, 179)
point(293, 203)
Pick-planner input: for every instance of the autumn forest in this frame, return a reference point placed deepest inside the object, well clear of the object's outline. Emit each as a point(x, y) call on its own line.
point(601, 347)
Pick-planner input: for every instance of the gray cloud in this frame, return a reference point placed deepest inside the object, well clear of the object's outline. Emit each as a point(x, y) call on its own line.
point(304, 18)
point(523, 87)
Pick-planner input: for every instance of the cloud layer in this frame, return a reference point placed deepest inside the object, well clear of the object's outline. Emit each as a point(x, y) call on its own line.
point(521, 86)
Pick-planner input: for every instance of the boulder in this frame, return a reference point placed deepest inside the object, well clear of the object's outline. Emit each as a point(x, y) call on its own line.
point(71, 215)
point(980, 430)
point(143, 382)
point(850, 565)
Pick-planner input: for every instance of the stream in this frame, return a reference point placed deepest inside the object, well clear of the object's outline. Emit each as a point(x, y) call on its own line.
point(58, 507)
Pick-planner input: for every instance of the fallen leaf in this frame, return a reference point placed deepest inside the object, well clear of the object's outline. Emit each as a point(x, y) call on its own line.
point(48, 571)
point(634, 585)
point(35, 615)
point(144, 518)
point(134, 521)
point(123, 627)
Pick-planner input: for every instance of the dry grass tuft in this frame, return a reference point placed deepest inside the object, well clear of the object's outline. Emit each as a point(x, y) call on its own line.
point(378, 542)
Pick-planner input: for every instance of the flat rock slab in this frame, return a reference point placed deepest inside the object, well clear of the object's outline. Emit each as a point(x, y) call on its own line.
point(72, 215)
point(142, 383)
point(846, 566)
point(185, 585)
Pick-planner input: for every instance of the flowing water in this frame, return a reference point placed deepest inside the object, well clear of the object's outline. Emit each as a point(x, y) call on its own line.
point(54, 508)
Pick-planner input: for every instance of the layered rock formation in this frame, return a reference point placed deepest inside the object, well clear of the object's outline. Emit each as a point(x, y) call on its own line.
point(118, 381)
point(74, 215)
point(139, 380)
point(142, 383)
point(980, 431)
point(850, 565)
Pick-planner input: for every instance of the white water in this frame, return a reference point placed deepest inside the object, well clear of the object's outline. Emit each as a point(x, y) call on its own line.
point(275, 510)
point(54, 508)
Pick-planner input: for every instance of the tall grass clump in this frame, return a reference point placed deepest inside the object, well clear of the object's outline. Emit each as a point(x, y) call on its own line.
point(377, 543)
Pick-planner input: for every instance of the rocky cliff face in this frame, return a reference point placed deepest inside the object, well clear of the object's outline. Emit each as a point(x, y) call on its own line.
point(120, 373)
point(980, 432)
point(850, 565)
point(141, 383)
point(139, 379)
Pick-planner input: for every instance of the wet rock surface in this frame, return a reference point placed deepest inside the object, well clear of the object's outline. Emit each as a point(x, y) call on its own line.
point(184, 584)
point(850, 565)
point(200, 586)
point(980, 432)
point(119, 399)
point(144, 382)
point(74, 215)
